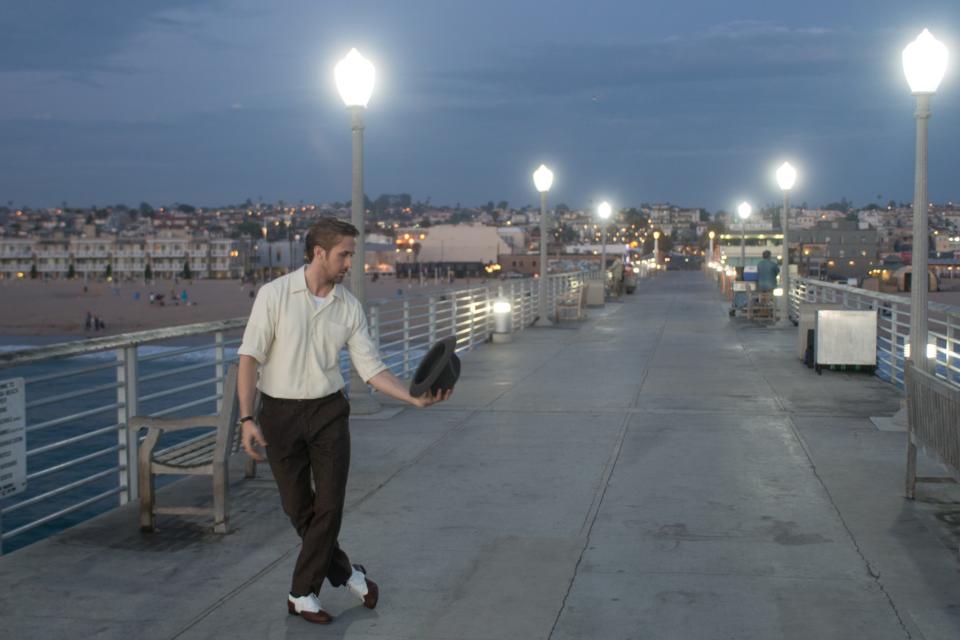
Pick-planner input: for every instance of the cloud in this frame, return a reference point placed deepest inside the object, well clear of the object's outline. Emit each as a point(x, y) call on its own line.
point(80, 37)
point(739, 51)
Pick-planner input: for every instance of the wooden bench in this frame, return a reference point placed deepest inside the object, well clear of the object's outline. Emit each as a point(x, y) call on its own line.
point(570, 306)
point(207, 454)
point(933, 422)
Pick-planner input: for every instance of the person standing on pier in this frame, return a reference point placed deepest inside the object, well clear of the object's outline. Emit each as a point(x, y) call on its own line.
point(298, 325)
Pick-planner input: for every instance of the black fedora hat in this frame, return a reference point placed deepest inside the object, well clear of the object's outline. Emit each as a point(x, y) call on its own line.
point(439, 369)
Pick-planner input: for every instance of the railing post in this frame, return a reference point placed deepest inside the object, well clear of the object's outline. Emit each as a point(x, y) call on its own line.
point(374, 325)
point(515, 302)
point(219, 368)
point(453, 316)
point(432, 320)
point(406, 337)
point(127, 398)
point(473, 318)
point(952, 351)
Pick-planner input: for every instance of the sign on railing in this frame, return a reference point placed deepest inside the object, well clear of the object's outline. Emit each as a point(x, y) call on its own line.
point(13, 438)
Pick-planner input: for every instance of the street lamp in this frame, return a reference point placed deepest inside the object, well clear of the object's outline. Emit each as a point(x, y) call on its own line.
point(786, 178)
point(744, 211)
point(543, 180)
point(924, 63)
point(263, 230)
point(656, 249)
point(289, 247)
point(711, 235)
point(604, 210)
point(355, 76)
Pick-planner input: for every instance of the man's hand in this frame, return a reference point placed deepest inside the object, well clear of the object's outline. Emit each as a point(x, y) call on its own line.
point(426, 399)
point(250, 438)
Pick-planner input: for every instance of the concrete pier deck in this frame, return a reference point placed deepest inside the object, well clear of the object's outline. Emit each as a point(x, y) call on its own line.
point(658, 471)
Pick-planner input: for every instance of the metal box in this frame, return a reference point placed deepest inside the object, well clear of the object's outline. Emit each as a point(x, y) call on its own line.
point(595, 293)
point(808, 320)
point(846, 337)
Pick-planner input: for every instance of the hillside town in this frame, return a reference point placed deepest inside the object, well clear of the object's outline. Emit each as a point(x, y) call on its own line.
point(415, 239)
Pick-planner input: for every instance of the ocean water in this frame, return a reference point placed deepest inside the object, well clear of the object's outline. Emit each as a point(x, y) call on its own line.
point(160, 370)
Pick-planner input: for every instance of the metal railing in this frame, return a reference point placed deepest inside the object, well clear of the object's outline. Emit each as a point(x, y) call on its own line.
point(81, 458)
point(893, 326)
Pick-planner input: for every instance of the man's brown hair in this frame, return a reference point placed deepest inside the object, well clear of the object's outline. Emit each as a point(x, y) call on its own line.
point(326, 233)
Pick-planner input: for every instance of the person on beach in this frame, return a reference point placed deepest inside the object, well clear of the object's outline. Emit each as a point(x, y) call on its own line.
point(298, 325)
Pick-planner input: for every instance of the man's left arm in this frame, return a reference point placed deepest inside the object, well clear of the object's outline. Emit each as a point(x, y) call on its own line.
point(388, 384)
point(366, 360)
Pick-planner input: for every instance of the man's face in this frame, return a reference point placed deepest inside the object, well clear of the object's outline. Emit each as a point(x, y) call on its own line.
point(336, 263)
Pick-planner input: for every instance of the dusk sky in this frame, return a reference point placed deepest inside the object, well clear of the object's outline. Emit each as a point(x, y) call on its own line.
point(692, 102)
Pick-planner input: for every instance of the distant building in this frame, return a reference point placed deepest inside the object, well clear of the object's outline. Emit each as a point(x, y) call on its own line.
point(836, 250)
point(90, 256)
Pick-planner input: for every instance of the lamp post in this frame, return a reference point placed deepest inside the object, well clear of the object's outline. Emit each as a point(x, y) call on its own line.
point(289, 248)
point(711, 235)
point(355, 76)
point(604, 210)
point(263, 230)
point(543, 180)
point(656, 250)
point(786, 178)
point(924, 63)
point(744, 211)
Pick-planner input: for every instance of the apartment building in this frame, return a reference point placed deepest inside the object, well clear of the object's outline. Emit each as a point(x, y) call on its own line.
point(125, 258)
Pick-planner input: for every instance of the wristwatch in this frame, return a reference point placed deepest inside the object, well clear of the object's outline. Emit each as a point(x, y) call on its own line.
point(245, 418)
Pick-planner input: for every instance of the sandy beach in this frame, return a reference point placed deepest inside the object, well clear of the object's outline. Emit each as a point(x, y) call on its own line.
point(59, 308)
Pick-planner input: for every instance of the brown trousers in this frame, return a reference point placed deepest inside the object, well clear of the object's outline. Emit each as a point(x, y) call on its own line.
point(311, 439)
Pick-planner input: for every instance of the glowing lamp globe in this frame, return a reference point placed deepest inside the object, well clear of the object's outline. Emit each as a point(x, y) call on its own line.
point(355, 75)
point(656, 235)
point(604, 210)
point(543, 178)
point(786, 176)
point(744, 210)
point(924, 63)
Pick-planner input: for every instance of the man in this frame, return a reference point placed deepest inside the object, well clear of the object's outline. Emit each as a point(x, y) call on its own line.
point(767, 272)
point(298, 325)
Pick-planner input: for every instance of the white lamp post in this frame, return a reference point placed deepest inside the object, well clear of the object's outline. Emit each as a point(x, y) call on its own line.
point(744, 211)
point(604, 210)
point(924, 63)
point(711, 235)
point(355, 76)
point(786, 178)
point(656, 249)
point(543, 180)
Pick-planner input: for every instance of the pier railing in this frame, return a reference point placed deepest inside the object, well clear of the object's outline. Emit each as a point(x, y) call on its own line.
point(893, 326)
point(81, 458)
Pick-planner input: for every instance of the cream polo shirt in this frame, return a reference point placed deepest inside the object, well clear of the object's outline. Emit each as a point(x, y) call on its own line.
point(297, 341)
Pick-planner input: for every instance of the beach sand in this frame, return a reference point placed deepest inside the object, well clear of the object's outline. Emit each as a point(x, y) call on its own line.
point(59, 307)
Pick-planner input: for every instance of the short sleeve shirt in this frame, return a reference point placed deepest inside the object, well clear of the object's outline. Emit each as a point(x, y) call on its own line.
point(297, 341)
